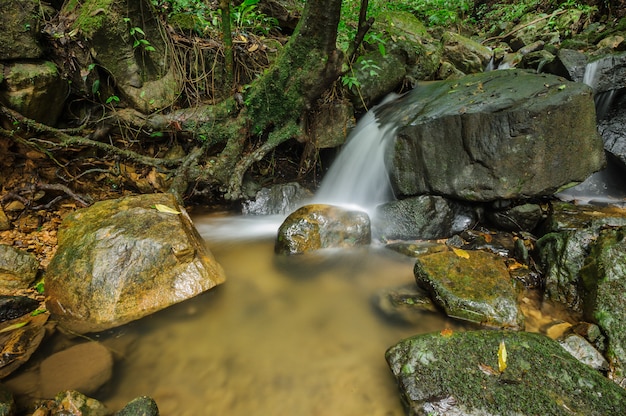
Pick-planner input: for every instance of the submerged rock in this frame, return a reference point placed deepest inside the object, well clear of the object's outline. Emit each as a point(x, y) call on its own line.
point(317, 226)
point(141, 406)
point(71, 403)
point(405, 304)
point(495, 135)
point(471, 285)
point(460, 374)
point(84, 367)
point(120, 260)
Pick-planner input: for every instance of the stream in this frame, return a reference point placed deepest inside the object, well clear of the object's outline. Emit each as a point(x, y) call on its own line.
point(282, 336)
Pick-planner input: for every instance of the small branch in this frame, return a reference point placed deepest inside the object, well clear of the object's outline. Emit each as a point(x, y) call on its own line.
point(276, 138)
point(66, 140)
point(58, 187)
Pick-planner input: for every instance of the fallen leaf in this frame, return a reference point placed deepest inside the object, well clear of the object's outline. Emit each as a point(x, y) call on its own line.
point(487, 369)
point(502, 357)
point(253, 48)
point(461, 253)
point(13, 327)
point(166, 209)
point(447, 332)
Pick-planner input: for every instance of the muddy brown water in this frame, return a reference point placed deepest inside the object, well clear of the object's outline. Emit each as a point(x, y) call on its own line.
point(282, 336)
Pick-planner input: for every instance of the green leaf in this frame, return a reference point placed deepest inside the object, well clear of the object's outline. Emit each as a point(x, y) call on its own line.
point(13, 327)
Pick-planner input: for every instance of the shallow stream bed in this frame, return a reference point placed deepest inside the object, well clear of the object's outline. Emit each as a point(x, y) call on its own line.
point(282, 336)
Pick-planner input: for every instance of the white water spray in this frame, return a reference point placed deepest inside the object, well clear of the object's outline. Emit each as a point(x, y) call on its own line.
point(358, 177)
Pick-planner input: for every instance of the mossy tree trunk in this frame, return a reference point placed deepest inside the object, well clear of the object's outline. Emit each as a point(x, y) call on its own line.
point(232, 135)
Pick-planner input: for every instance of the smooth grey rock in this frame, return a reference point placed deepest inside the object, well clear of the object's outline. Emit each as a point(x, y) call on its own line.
point(584, 352)
point(277, 200)
point(422, 217)
point(496, 135)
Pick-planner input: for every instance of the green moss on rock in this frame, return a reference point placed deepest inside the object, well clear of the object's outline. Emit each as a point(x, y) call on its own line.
point(461, 371)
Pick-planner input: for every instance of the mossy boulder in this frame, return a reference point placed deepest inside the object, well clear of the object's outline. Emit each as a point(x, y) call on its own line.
point(317, 226)
point(459, 374)
point(35, 90)
point(405, 35)
point(471, 285)
point(120, 260)
point(604, 280)
point(126, 41)
point(467, 55)
point(19, 28)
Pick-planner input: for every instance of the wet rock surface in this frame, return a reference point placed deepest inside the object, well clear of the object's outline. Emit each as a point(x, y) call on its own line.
point(471, 285)
point(120, 260)
point(319, 226)
point(462, 373)
point(424, 217)
point(466, 139)
point(277, 200)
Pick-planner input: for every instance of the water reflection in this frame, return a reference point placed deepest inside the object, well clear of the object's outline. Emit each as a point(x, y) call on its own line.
point(282, 336)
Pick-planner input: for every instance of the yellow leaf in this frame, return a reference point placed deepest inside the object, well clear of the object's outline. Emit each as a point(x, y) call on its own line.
point(502, 357)
point(461, 253)
point(165, 208)
point(254, 47)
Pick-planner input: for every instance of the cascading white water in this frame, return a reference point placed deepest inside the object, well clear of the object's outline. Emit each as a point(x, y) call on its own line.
point(358, 177)
point(603, 100)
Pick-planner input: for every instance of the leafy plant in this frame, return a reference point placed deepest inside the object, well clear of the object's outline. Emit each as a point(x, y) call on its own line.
point(135, 31)
point(246, 16)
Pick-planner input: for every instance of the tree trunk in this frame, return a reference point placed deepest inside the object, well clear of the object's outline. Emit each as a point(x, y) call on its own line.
point(222, 141)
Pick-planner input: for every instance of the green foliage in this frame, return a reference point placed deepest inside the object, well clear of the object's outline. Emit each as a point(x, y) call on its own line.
point(139, 37)
point(206, 18)
point(246, 17)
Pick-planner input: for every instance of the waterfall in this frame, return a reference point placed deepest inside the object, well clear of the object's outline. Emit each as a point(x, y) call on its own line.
point(603, 100)
point(358, 176)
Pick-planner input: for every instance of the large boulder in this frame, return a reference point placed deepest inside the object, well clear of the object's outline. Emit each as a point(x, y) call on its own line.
point(317, 226)
point(120, 260)
point(496, 135)
point(467, 373)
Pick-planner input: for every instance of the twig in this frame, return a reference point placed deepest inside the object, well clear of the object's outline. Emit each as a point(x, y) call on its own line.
point(65, 189)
